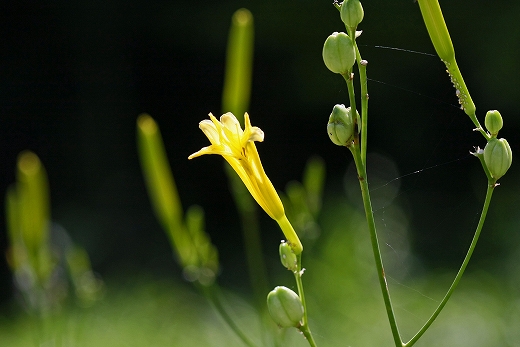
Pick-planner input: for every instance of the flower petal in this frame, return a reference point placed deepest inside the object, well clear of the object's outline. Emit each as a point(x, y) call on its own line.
point(202, 151)
point(237, 147)
point(211, 132)
point(256, 135)
point(231, 123)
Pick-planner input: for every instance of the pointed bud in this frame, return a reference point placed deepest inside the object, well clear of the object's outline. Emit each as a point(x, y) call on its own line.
point(498, 157)
point(341, 126)
point(285, 307)
point(287, 257)
point(338, 53)
point(493, 122)
point(436, 26)
point(351, 13)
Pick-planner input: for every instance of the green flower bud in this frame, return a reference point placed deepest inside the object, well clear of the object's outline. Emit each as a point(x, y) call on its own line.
point(341, 126)
point(436, 26)
point(287, 257)
point(498, 157)
point(351, 13)
point(493, 122)
point(338, 53)
point(285, 307)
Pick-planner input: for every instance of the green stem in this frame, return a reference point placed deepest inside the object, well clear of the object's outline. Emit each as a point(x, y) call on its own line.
point(362, 176)
point(304, 327)
point(351, 93)
point(489, 193)
point(362, 67)
point(212, 293)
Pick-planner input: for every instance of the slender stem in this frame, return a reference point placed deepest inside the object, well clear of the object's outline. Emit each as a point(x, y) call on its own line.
point(489, 193)
point(304, 327)
point(362, 67)
point(212, 293)
point(351, 93)
point(362, 176)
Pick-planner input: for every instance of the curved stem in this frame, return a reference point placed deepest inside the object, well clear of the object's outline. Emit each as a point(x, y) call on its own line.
point(304, 327)
point(362, 176)
point(489, 193)
point(212, 293)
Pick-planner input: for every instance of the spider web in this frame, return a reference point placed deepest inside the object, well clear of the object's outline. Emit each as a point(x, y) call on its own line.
point(424, 215)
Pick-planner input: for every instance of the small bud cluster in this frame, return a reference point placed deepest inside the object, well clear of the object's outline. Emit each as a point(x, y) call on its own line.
point(339, 55)
point(497, 153)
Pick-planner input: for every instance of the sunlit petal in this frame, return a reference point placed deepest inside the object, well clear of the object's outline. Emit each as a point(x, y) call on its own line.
point(231, 123)
point(256, 135)
point(207, 150)
point(209, 129)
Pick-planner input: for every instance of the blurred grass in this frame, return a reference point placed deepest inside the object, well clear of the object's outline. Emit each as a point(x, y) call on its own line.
point(345, 305)
point(136, 313)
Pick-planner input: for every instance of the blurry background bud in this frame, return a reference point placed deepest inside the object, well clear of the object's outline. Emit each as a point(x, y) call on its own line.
point(285, 307)
point(351, 13)
point(338, 53)
point(493, 122)
point(287, 257)
point(33, 197)
point(498, 157)
point(341, 126)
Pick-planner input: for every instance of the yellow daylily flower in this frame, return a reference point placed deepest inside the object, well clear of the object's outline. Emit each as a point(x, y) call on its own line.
point(237, 146)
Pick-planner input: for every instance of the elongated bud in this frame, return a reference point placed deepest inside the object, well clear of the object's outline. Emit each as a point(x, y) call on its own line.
point(498, 157)
point(436, 26)
point(341, 126)
point(338, 53)
point(440, 37)
point(493, 122)
point(351, 13)
point(287, 257)
point(285, 307)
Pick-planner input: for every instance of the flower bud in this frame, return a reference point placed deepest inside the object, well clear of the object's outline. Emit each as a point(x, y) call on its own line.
point(436, 26)
point(338, 53)
point(287, 257)
point(351, 13)
point(493, 122)
point(498, 157)
point(341, 126)
point(285, 307)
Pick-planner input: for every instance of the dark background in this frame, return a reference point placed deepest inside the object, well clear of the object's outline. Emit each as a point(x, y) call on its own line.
point(75, 75)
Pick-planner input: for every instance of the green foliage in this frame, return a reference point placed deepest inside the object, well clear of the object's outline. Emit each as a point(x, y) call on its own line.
point(41, 255)
point(192, 246)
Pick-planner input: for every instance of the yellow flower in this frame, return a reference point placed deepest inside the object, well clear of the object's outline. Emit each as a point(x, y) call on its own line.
point(237, 146)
